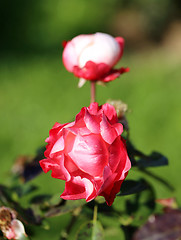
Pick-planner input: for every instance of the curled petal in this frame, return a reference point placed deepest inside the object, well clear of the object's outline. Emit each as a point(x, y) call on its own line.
point(93, 108)
point(116, 154)
point(92, 122)
point(56, 125)
point(124, 172)
point(111, 186)
point(116, 172)
point(110, 196)
point(110, 113)
point(114, 73)
point(79, 128)
point(58, 169)
point(108, 181)
point(55, 139)
point(78, 188)
point(91, 71)
point(108, 132)
point(58, 146)
point(125, 163)
point(102, 72)
point(55, 132)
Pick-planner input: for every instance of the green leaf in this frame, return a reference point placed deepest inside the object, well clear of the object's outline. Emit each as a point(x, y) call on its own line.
point(141, 160)
point(67, 207)
point(90, 231)
point(141, 205)
point(39, 199)
point(163, 227)
point(131, 187)
point(46, 202)
point(154, 160)
point(24, 189)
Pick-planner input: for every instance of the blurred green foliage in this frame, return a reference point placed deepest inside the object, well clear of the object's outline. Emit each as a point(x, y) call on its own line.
point(44, 23)
point(39, 25)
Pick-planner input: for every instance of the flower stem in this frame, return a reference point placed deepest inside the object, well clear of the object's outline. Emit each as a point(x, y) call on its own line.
point(95, 214)
point(93, 91)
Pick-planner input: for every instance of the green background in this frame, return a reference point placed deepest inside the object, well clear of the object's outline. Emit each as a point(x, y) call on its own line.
point(36, 90)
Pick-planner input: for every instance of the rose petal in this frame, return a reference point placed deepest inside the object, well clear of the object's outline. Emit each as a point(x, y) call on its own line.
point(58, 169)
point(18, 229)
point(81, 42)
point(110, 112)
point(120, 41)
point(69, 57)
point(110, 187)
point(73, 49)
point(78, 188)
point(90, 154)
point(91, 70)
point(110, 50)
point(93, 108)
point(114, 73)
point(108, 132)
point(108, 180)
point(110, 196)
point(79, 128)
point(92, 122)
point(58, 146)
point(124, 163)
point(116, 154)
point(124, 171)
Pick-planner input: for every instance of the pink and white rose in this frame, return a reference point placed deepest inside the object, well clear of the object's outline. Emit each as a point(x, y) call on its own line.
point(93, 56)
point(89, 154)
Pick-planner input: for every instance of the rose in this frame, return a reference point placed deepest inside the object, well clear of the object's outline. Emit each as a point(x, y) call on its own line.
point(89, 154)
point(93, 56)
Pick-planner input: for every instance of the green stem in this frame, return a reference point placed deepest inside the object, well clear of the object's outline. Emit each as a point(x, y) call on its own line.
point(93, 91)
point(95, 213)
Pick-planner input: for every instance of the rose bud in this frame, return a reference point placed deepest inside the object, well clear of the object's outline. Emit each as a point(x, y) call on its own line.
point(89, 154)
point(93, 56)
